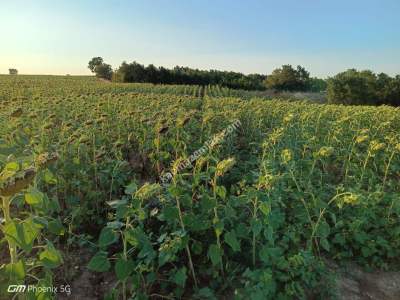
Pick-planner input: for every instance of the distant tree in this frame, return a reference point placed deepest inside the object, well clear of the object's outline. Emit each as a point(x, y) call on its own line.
point(152, 74)
point(104, 71)
point(135, 72)
point(363, 87)
point(13, 71)
point(288, 79)
point(352, 87)
point(101, 69)
point(94, 62)
point(317, 85)
point(389, 93)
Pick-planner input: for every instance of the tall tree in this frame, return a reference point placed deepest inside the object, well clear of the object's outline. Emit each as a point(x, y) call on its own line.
point(94, 62)
point(101, 69)
point(287, 78)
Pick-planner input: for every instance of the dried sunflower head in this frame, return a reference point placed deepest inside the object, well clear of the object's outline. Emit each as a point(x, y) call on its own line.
point(16, 113)
point(147, 191)
point(45, 159)
point(163, 128)
point(17, 183)
point(183, 121)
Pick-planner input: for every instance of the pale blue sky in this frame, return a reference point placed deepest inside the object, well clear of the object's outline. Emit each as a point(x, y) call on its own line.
point(325, 36)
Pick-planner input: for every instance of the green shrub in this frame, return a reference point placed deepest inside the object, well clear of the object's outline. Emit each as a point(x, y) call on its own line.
point(363, 88)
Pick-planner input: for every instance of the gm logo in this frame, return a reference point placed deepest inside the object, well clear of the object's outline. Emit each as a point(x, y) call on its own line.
point(13, 288)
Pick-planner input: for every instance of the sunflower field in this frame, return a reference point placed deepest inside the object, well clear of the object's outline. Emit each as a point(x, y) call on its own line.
point(256, 216)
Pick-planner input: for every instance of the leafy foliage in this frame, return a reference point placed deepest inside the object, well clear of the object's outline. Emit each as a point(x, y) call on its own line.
point(135, 72)
point(364, 87)
point(289, 79)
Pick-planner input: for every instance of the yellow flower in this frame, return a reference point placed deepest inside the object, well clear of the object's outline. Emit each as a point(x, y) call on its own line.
point(325, 151)
point(288, 118)
point(362, 138)
point(350, 199)
point(364, 131)
point(286, 156)
point(376, 146)
point(275, 135)
point(224, 166)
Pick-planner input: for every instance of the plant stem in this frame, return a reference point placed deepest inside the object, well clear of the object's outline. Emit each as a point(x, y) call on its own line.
point(178, 205)
point(11, 245)
point(364, 167)
point(387, 169)
point(214, 184)
point(255, 203)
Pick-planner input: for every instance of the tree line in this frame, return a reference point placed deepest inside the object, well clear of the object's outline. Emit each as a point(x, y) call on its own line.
point(135, 72)
point(350, 87)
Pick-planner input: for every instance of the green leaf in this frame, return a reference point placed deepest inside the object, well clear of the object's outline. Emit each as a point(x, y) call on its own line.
point(180, 277)
point(56, 227)
point(99, 262)
point(107, 237)
point(232, 241)
point(265, 208)
point(215, 254)
point(50, 257)
point(195, 223)
point(23, 234)
point(123, 268)
point(242, 230)
point(207, 203)
point(325, 244)
point(256, 226)
point(115, 225)
point(117, 203)
point(323, 229)
point(164, 256)
point(136, 281)
point(54, 205)
point(12, 167)
point(16, 272)
point(197, 247)
point(34, 197)
point(131, 188)
point(221, 192)
point(40, 222)
point(269, 234)
point(170, 213)
point(218, 227)
point(112, 295)
point(205, 293)
point(49, 177)
point(270, 254)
